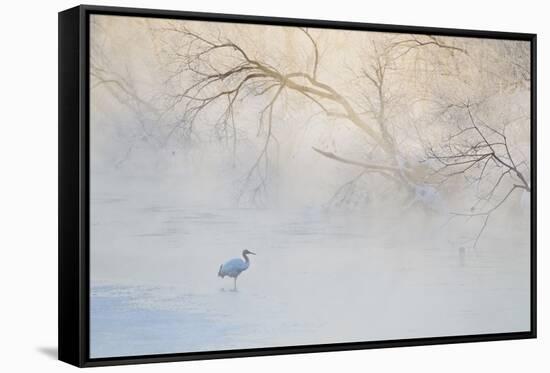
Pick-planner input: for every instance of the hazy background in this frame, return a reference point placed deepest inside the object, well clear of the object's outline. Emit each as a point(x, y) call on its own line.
point(170, 203)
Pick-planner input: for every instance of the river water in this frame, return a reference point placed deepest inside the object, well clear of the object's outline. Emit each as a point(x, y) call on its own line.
point(318, 277)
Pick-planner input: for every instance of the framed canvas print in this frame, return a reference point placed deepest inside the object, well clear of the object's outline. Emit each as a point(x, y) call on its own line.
point(237, 186)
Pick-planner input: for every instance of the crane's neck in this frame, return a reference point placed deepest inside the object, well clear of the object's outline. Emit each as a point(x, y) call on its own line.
point(245, 256)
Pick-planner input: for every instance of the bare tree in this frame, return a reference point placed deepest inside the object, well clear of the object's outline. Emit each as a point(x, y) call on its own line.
point(209, 74)
point(223, 73)
point(481, 154)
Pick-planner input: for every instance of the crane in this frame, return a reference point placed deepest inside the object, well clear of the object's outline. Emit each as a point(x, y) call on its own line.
point(234, 267)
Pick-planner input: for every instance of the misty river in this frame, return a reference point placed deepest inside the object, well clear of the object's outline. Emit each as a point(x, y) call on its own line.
point(394, 172)
point(318, 277)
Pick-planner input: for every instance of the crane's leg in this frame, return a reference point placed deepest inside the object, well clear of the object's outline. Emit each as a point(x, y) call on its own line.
point(235, 284)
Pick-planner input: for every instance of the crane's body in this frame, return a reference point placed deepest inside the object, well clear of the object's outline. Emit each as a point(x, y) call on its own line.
point(234, 267)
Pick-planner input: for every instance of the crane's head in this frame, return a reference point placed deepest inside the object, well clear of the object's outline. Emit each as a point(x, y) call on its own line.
point(245, 252)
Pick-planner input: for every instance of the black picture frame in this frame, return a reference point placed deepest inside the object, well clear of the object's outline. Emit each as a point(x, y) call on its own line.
point(74, 191)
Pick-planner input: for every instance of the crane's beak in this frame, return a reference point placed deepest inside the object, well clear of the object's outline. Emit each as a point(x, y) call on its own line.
point(250, 252)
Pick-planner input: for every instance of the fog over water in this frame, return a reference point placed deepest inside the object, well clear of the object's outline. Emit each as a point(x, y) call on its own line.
point(385, 220)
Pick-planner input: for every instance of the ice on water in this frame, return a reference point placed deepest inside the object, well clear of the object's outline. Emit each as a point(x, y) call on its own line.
point(319, 277)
